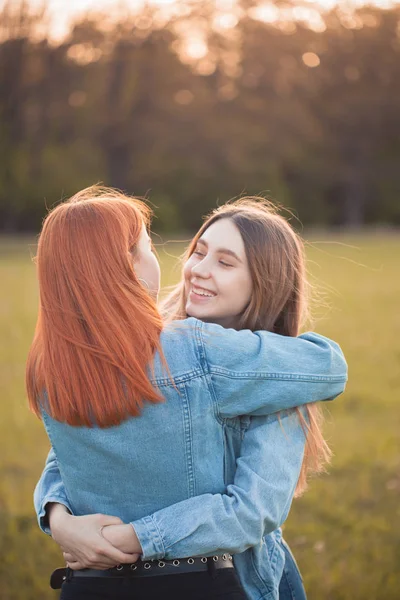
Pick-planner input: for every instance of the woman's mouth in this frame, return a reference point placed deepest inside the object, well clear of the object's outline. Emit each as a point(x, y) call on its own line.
point(199, 294)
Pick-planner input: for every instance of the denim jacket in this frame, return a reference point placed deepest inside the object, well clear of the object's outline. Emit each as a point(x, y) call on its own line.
point(171, 472)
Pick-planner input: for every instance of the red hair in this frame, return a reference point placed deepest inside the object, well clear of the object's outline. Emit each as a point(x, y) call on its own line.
point(97, 329)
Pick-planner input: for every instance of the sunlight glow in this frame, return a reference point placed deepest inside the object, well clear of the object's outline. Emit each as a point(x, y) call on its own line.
point(62, 13)
point(196, 48)
point(310, 59)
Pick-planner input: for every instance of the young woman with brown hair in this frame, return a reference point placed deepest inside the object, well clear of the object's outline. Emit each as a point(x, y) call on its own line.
point(245, 269)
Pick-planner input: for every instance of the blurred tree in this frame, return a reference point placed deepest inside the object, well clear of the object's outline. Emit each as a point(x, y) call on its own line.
point(201, 106)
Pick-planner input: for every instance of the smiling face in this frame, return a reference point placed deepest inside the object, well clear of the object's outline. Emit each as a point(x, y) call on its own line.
point(218, 283)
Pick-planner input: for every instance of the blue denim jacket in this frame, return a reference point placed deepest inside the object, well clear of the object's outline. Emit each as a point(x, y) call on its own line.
point(187, 446)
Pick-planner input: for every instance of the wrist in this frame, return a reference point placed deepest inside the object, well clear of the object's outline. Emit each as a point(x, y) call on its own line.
point(57, 515)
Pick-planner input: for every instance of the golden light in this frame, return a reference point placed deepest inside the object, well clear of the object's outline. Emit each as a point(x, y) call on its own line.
point(184, 97)
point(196, 48)
point(206, 67)
point(62, 13)
point(84, 54)
point(226, 21)
point(268, 13)
point(310, 59)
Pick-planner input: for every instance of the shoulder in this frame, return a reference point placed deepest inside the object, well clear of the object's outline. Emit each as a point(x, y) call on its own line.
point(181, 346)
point(185, 331)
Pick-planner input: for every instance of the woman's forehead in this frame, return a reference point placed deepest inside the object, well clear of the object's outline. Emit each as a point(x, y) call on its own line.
point(223, 234)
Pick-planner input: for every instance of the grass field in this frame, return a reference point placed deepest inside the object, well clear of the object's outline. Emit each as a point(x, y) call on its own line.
point(345, 532)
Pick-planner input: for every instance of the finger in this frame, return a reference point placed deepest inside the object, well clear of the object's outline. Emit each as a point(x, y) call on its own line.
point(135, 557)
point(98, 566)
point(69, 557)
point(117, 556)
point(75, 566)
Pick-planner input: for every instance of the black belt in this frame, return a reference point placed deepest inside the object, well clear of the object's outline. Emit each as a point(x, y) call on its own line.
point(151, 568)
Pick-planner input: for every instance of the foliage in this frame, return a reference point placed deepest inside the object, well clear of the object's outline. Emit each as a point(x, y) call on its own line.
point(125, 104)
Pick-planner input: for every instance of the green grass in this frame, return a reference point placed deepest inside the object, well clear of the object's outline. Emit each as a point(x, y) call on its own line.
point(345, 531)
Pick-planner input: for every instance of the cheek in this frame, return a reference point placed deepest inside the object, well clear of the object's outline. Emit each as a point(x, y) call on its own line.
point(149, 270)
point(239, 289)
point(156, 270)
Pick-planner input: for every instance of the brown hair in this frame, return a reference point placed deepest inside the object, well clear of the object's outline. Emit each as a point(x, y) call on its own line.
point(97, 327)
point(279, 302)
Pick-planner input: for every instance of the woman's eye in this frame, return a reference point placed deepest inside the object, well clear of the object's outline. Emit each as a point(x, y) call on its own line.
point(224, 264)
point(197, 253)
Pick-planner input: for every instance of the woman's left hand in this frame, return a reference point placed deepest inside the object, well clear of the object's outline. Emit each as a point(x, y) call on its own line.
point(82, 542)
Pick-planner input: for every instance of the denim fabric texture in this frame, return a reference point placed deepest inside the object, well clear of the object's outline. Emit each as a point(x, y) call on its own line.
point(291, 585)
point(193, 475)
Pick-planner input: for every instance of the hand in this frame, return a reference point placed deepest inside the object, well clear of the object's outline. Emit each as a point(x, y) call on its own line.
point(123, 537)
point(81, 540)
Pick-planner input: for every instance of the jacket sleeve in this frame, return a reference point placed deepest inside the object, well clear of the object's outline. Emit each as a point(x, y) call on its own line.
point(49, 488)
point(256, 503)
point(262, 373)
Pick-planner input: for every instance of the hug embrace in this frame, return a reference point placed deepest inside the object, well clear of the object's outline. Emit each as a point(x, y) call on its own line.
point(181, 432)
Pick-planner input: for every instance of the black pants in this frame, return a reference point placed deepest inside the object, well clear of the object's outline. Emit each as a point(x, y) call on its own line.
point(223, 583)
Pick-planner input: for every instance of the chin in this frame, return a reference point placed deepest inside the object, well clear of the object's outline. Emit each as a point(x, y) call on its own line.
point(194, 311)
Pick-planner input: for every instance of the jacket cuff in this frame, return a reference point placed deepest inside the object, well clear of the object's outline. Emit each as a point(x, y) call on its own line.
point(43, 517)
point(150, 538)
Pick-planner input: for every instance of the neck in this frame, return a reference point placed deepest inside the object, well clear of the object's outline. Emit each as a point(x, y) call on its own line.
point(226, 322)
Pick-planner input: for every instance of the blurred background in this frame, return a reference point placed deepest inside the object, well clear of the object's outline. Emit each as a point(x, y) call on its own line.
point(189, 104)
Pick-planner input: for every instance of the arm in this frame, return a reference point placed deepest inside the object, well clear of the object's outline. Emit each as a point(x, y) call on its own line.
point(49, 489)
point(256, 503)
point(249, 373)
point(262, 373)
point(314, 363)
point(80, 537)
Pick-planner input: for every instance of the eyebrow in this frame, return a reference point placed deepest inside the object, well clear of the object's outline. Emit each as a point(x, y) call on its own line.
point(221, 250)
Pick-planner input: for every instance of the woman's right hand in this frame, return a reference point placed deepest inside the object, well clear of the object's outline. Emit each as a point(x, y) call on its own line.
point(81, 540)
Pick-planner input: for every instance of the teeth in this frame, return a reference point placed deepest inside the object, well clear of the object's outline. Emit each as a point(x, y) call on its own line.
point(202, 293)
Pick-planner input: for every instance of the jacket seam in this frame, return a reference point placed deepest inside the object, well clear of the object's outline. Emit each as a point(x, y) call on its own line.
point(281, 376)
point(187, 424)
point(266, 589)
point(166, 382)
point(207, 372)
point(156, 536)
point(197, 373)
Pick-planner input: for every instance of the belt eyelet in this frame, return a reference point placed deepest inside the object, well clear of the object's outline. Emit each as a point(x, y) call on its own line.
point(215, 558)
point(119, 567)
point(176, 562)
point(190, 561)
point(133, 567)
point(161, 564)
point(230, 556)
point(147, 566)
point(224, 557)
point(203, 559)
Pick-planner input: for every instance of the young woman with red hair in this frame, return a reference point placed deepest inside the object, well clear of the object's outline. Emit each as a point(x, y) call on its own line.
point(144, 419)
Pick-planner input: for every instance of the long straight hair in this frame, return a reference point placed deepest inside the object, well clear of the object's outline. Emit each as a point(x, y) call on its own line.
point(279, 299)
point(97, 328)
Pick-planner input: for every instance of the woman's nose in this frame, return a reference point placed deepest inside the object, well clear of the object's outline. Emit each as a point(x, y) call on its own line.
point(201, 269)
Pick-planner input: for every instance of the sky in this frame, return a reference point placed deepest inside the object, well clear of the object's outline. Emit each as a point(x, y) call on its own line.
point(62, 12)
